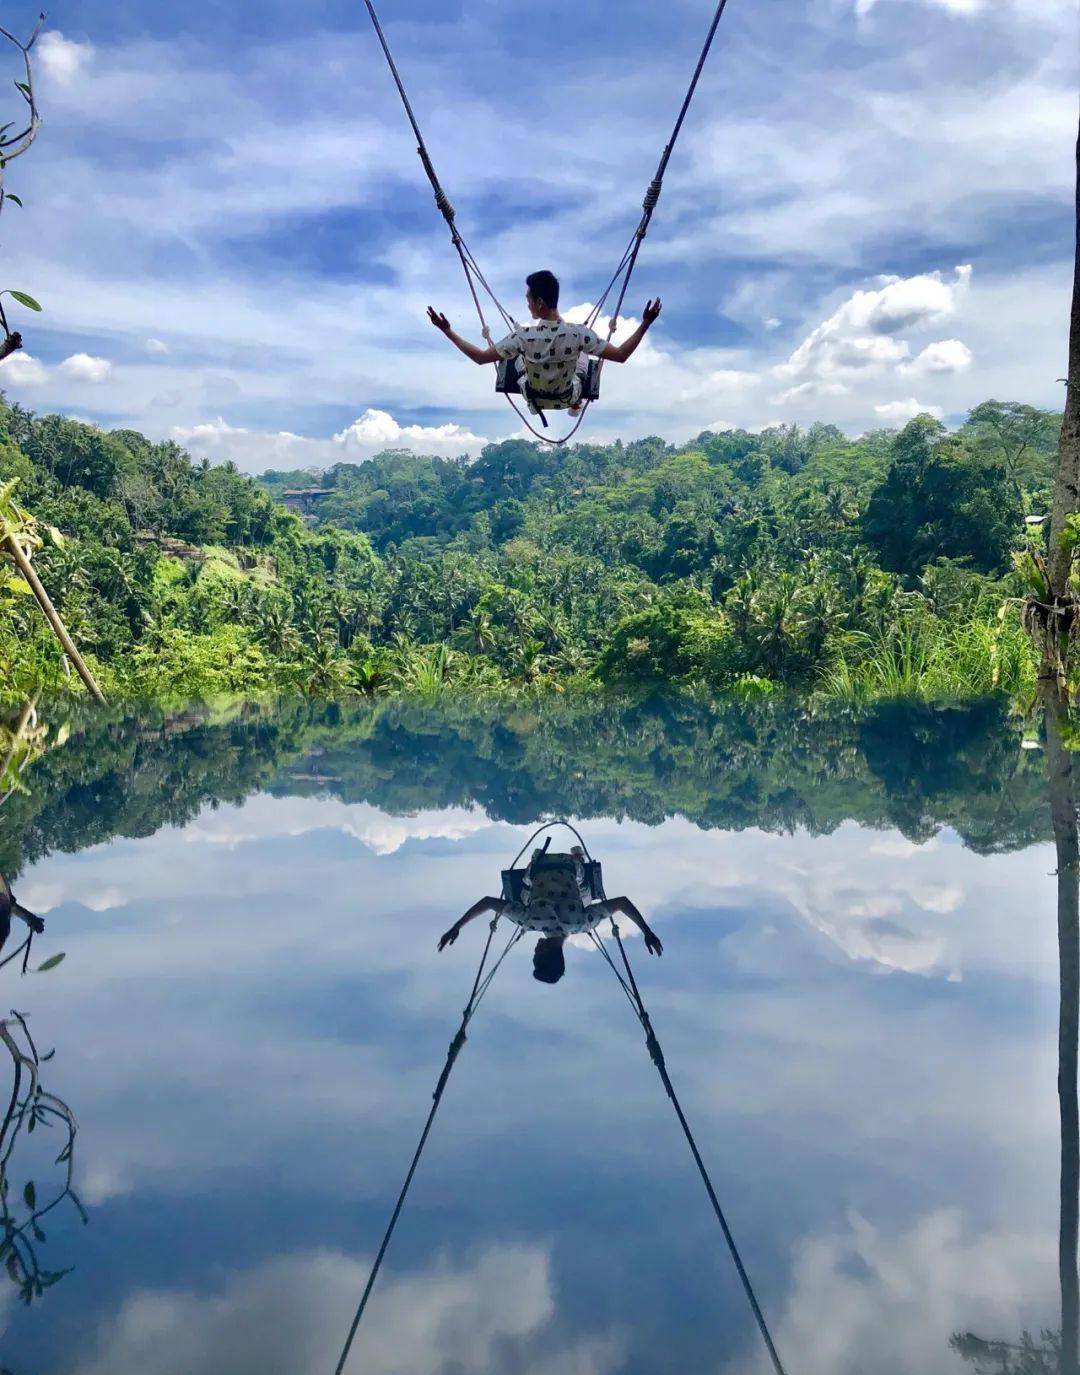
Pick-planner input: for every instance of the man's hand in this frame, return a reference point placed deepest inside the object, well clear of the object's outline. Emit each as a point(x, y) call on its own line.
point(651, 311)
point(448, 938)
point(441, 322)
point(652, 942)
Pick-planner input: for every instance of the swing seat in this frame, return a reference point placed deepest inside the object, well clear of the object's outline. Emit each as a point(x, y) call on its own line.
point(513, 880)
point(508, 383)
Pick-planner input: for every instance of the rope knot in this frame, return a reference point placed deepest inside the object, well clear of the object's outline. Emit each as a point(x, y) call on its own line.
point(443, 203)
point(652, 195)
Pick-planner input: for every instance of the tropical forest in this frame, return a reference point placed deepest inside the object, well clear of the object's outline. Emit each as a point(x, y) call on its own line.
point(790, 559)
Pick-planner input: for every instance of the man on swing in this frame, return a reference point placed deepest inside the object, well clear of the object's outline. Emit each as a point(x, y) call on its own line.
point(556, 901)
point(549, 353)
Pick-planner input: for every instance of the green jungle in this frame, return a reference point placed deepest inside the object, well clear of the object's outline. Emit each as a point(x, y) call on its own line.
point(855, 570)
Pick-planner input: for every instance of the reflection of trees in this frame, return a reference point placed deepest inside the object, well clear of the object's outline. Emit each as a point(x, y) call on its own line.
point(1025, 1357)
point(1063, 801)
point(770, 765)
point(1056, 1352)
point(30, 1108)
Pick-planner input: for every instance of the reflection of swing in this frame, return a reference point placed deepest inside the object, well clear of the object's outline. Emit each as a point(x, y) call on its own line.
point(514, 880)
point(506, 383)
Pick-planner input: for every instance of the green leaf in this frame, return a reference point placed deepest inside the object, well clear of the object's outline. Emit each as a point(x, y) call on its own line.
point(50, 963)
point(19, 586)
point(25, 300)
point(22, 85)
point(30, 1195)
point(11, 196)
point(55, 535)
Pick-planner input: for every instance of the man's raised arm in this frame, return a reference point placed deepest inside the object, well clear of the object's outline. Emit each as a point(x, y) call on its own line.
point(619, 353)
point(478, 355)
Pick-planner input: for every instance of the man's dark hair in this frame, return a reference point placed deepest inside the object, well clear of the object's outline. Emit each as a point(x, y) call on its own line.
point(545, 287)
point(549, 963)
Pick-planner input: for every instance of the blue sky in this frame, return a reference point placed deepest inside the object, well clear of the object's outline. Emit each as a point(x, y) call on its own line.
point(869, 213)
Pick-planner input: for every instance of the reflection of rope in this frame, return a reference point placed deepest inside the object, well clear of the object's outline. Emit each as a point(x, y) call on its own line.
point(627, 262)
point(547, 827)
point(656, 1054)
point(481, 984)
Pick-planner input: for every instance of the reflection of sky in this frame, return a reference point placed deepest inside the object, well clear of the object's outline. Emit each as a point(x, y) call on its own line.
point(252, 1015)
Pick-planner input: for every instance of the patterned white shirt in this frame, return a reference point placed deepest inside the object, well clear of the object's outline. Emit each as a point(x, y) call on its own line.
point(550, 350)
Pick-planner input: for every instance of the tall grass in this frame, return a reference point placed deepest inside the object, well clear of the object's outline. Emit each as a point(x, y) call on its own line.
point(922, 656)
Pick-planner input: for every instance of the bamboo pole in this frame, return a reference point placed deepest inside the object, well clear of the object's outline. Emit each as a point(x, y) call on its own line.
point(52, 616)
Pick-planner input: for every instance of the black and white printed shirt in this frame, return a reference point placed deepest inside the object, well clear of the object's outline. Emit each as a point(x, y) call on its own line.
point(550, 350)
point(558, 904)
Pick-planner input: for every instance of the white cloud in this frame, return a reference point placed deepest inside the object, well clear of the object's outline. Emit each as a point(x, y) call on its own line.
point(84, 367)
point(860, 335)
point(22, 370)
point(377, 429)
point(291, 1313)
point(943, 356)
point(156, 347)
point(374, 431)
point(863, 7)
point(901, 1297)
point(61, 59)
point(723, 383)
point(262, 816)
point(900, 412)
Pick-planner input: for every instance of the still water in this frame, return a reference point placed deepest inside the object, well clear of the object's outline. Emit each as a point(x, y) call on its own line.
point(857, 999)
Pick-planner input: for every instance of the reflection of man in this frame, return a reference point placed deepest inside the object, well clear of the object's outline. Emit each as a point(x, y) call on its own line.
point(10, 908)
point(556, 901)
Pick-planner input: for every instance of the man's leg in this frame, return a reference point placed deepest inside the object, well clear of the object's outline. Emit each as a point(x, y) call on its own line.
point(577, 386)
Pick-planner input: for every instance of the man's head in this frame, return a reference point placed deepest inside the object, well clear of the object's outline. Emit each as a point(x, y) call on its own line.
point(541, 293)
point(549, 964)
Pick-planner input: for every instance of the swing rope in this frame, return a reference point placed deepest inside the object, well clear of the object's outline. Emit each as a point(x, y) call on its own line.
point(656, 1054)
point(627, 262)
point(481, 984)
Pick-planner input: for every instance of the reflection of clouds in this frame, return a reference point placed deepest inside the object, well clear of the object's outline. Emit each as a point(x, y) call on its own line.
point(263, 818)
point(214, 943)
point(297, 1012)
point(863, 1303)
point(43, 897)
point(291, 1315)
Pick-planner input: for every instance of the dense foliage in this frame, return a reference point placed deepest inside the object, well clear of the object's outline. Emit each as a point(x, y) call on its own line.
point(860, 568)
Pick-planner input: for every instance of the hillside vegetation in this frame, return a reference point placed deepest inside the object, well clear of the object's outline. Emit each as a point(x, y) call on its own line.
point(739, 561)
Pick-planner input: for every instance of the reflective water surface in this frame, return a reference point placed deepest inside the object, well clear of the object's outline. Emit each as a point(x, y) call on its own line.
point(858, 1000)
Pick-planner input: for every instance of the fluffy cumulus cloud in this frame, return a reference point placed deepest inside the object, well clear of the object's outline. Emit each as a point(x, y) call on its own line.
point(84, 367)
point(372, 432)
point(943, 356)
point(900, 412)
point(22, 370)
point(291, 1314)
point(61, 59)
point(892, 1301)
point(861, 337)
point(377, 429)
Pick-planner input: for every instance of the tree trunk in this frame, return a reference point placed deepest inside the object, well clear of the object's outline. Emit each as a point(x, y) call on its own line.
point(1063, 800)
point(1066, 499)
point(51, 615)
